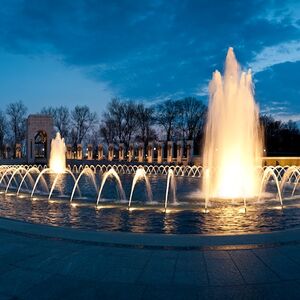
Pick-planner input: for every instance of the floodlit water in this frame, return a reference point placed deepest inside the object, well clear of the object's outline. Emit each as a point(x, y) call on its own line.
point(185, 216)
point(233, 139)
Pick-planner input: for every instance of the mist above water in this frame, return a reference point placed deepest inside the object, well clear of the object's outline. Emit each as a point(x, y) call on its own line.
point(233, 139)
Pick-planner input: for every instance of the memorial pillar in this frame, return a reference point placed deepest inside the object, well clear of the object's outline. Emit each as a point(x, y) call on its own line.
point(79, 152)
point(69, 151)
point(179, 152)
point(100, 152)
point(170, 151)
point(150, 153)
point(90, 152)
point(131, 152)
point(110, 152)
point(18, 151)
point(5, 152)
point(160, 151)
point(189, 151)
point(141, 152)
point(121, 151)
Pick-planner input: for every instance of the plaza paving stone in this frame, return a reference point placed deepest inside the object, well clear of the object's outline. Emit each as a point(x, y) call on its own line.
point(40, 267)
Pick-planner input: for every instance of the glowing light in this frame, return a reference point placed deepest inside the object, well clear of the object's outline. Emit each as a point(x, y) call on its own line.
point(57, 161)
point(233, 141)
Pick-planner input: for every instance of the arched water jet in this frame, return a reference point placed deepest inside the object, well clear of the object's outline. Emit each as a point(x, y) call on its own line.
point(288, 175)
point(18, 170)
point(11, 169)
point(269, 172)
point(140, 175)
point(87, 171)
point(25, 176)
point(56, 178)
point(170, 180)
point(111, 173)
point(38, 179)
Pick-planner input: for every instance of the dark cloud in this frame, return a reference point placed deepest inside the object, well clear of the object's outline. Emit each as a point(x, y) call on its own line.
point(147, 49)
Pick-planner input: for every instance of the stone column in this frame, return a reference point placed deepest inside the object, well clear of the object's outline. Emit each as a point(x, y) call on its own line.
point(79, 152)
point(141, 152)
point(170, 152)
point(100, 152)
point(18, 151)
point(90, 152)
point(131, 152)
point(189, 151)
point(160, 151)
point(179, 152)
point(121, 151)
point(69, 151)
point(111, 152)
point(150, 153)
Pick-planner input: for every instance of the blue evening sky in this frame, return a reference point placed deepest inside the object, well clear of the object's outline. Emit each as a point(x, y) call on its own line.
point(55, 52)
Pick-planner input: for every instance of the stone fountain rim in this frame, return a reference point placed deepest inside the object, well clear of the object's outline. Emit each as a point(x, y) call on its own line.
point(152, 240)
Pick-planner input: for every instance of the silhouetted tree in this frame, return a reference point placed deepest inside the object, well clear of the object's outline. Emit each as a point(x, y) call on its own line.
point(17, 122)
point(191, 118)
point(166, 114)
point(61, 118)
point(82, 120)
point(280, 138)
point(145, 120)
point(3, 127)
point(119, 123)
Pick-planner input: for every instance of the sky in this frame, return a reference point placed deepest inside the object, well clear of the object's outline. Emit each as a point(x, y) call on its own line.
point(73, 52)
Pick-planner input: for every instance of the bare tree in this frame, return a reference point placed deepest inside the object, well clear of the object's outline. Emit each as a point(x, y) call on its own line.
point(3, 126)
point(83, 120)
point(166, 114)
point(17, 122)
point(61, 118)
point(191, 118)
point(146, 119)
point(119, 122)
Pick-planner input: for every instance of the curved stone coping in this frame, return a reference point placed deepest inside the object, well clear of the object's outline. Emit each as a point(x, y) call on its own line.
point(149, 240)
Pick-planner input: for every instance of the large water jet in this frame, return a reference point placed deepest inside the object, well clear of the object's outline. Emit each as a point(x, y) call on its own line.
point(233, 139)
point(57, 162)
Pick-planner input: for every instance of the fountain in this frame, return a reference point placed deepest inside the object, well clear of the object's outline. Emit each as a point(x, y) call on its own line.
point(140, 175)
point(233, 139)
point(172, 203)
point(57, 162)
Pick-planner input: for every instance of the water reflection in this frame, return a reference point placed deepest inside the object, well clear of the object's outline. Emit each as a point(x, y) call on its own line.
point(223, 218)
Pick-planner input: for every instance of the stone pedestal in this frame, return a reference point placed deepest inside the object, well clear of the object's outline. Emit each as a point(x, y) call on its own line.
point(18, 151)
point(100, 152)
point(131, 152)
point(111, 151)
point(179, 152)
point(121, 152)
point(160, 151)
point(189, 151)
point(90, 152)
point(170, 151)
point(79, 152)
point(150, 153)
point(69, 151)
point(141, 152)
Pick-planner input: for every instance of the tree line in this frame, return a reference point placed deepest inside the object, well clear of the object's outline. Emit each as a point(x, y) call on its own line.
point(129, 121)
